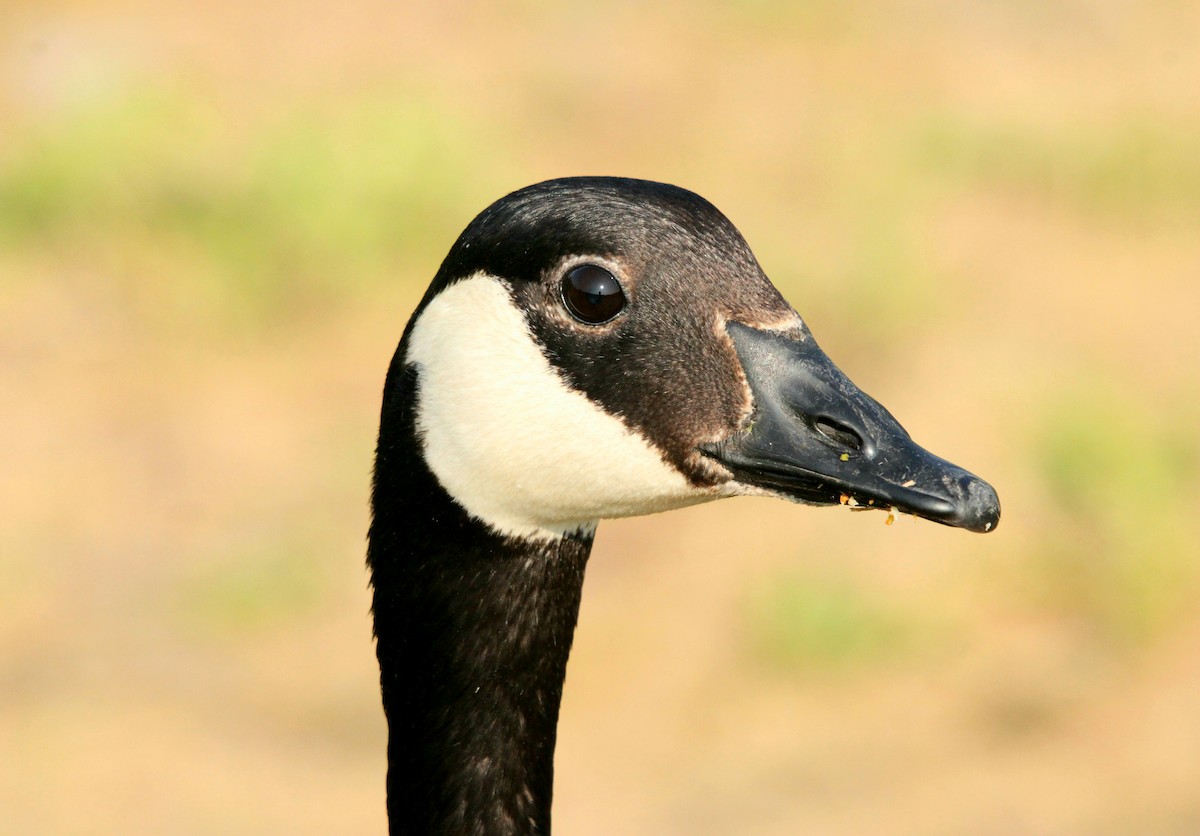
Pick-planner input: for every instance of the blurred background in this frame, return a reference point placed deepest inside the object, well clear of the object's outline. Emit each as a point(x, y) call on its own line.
point(214, 225)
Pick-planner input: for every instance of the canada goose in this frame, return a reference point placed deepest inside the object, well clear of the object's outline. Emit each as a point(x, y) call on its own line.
point(590, 348)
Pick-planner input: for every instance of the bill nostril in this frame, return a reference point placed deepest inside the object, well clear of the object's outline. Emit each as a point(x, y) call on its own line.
point(838, 433)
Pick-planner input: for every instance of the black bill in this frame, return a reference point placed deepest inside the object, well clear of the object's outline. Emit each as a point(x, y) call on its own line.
point(817, 438)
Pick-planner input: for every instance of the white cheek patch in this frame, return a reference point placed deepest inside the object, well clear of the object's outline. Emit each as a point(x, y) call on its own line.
point(509, 440)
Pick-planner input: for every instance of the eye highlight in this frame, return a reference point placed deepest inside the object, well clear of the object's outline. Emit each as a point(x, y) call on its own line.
point(592, 294)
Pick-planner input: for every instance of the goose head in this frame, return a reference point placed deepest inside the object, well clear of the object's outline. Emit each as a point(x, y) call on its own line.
point(602, 347)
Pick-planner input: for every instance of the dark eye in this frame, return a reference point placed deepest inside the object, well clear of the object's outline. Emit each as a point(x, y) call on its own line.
point(592, 294)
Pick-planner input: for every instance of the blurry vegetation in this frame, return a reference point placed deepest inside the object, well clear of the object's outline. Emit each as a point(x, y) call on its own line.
point(799, 621)
point(1118, 546)
point(252, 590)
point(158, 188)
point(1130, 168)
point(883, 280)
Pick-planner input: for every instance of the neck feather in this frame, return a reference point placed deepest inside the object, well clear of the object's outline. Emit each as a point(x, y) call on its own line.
point(473, 630)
